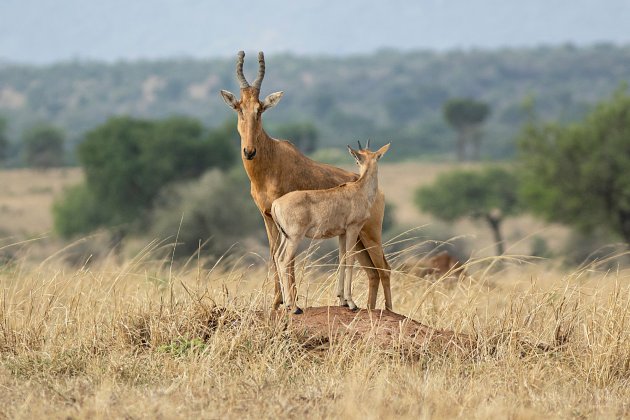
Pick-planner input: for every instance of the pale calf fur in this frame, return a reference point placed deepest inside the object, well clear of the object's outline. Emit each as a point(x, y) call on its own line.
point(340, 211)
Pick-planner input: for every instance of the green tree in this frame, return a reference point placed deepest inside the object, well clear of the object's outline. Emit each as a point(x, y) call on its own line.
point(128, 161)
point(4, 140)
point(579, 174)
point(466, 117)
point(303, 135)
point(489, 194)
point(43, 146)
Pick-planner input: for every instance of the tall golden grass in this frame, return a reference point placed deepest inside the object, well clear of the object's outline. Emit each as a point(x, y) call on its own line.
point(150, 338)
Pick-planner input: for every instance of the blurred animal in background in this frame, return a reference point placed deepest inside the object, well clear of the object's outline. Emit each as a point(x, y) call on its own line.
point(436, 266)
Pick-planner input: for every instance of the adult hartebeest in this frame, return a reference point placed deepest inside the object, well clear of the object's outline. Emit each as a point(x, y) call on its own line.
point(276, 167)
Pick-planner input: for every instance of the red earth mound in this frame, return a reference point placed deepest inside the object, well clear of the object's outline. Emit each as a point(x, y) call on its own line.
point(385, 328)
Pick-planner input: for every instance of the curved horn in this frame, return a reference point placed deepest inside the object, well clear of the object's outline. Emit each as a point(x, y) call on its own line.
point(367, 145)
point(239, 70)
point(359, 143)
point(261, 71)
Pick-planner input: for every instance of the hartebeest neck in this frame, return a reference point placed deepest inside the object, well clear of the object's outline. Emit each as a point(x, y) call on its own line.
point(368, 181)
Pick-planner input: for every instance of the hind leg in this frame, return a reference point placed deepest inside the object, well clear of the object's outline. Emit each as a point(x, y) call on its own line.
point(351, 240)
point(380, 269)
point(342, 270)
point(373, 258)
point(372, 274)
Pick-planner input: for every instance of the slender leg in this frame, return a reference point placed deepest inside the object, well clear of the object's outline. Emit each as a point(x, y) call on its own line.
point(342, 269)
point(373, 259)
point(351, 240)
point(286, 261)
point(381, 269)
point(273, 235)
point(282, 269)
point(372, 274)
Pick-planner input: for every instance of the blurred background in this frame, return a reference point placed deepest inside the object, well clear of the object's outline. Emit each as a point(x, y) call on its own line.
point(509, 121)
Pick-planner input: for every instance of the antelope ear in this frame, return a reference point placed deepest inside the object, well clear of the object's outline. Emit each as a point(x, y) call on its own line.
point(354, 154)
point(272, 100)
point(229, 99)
point(380, 152)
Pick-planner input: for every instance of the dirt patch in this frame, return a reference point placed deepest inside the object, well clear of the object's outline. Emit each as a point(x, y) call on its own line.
point(386, 329)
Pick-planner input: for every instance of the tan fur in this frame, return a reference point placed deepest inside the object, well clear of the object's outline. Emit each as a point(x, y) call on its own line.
point(340, 211)
point(279, 168)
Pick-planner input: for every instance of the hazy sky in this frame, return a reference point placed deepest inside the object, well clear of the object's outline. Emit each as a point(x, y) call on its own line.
point(43, 31)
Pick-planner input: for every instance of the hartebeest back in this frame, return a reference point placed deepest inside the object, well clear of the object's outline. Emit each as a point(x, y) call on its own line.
point(340, 211)
point(276, 167)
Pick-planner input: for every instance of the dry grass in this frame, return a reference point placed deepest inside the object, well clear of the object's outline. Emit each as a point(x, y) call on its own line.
point(146, 339)
point(143, 338)
point(26, 197)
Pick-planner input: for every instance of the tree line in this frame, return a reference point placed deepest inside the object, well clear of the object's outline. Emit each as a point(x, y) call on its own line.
point(574, 173)
point(44, 145)
point(388, 94)
point(41, 147)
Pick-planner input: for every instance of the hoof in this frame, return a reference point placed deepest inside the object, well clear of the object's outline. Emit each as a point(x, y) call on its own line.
point(344, 305)
point(297, 311)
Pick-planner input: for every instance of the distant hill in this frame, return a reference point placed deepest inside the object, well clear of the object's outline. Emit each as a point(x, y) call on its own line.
point(387, 95)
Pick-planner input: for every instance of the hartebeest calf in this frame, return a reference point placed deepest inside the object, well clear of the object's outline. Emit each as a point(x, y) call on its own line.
point(318, 214)
point(276, 167)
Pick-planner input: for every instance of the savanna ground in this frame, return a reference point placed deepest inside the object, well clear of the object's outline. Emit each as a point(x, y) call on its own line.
point(142, 337)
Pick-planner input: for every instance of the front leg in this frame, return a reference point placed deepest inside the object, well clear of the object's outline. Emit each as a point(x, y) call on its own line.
point(274, 242)
point(286, 261)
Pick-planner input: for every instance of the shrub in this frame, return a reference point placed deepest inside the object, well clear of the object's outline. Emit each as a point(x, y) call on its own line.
point(216, 211)
point(77, 211)
point(43, 146)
